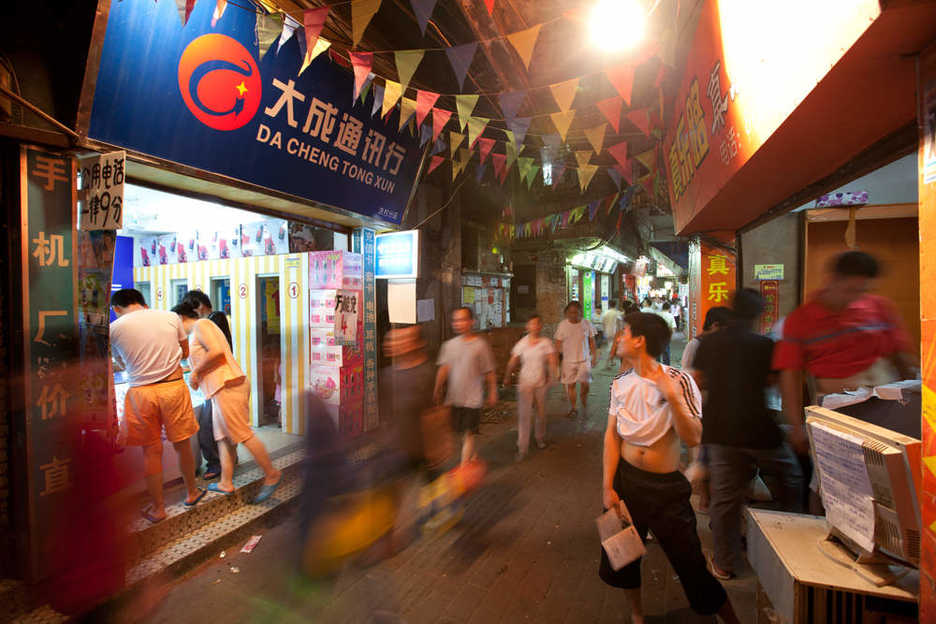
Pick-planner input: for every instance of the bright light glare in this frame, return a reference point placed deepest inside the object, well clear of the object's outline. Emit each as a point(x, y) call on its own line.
point(617, 25)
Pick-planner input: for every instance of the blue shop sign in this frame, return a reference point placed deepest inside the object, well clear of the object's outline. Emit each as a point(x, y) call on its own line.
point(202, 96)
point(397, 255)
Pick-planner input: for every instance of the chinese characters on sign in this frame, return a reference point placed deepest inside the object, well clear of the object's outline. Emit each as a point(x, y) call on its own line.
point(346, 316)
point(364, 243)
point(691, 143)
point(770, 290)
point(715, 268)
point(102, 184)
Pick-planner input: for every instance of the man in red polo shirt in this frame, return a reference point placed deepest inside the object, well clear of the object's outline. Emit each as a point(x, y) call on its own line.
point(844, 337)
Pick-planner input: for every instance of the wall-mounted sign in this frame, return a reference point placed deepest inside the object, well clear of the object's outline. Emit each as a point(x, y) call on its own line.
point(397, 255)
point(768, 271)
point(102, 181)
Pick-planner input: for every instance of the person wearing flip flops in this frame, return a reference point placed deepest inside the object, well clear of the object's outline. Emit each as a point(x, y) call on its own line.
point(221, 379)
point(150, 345)
point(575, 341)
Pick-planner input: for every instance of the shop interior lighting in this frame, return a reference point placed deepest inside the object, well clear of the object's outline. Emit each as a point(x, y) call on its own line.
point(616, 25)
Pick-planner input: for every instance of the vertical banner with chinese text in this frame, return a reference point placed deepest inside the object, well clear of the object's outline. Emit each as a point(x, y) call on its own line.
point(363, 242)
point(770, 291)
point(51, 340)
point(716, 281)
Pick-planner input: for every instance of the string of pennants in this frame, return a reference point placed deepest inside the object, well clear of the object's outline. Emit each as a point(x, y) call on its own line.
point(560, 220)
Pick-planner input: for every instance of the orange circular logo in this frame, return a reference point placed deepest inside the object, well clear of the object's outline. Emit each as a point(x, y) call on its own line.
point(220, 82)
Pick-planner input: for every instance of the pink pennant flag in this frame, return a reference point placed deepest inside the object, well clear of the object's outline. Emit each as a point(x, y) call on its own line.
point(490, 6)
point(627, 170)
point(499, 160)
point(434, 163)
point(361, 62)
point(425, 100)
point(313, 20)
point(622, 77)
point(641, 119)
point(619, 152)
point(611, 109)
point(440, 117)
point(485, 145)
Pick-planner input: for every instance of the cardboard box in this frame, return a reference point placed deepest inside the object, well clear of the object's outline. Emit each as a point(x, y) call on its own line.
point(336, 269)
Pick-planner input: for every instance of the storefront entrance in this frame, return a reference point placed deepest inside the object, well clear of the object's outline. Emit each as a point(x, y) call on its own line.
point(268, 348)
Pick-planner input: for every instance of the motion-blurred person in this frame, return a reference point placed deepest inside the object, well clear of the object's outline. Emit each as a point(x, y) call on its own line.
point(653, 409)
point(664, 313)
point(575, 340)
point(538, 367)
point(465, 364)
point(733, 366)
point(220, 378)
point(716, 318)
point(844, 338)
point(610, 322)
point(151, 345)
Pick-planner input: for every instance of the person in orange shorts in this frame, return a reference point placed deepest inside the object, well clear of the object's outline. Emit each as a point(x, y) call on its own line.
point(151, 344)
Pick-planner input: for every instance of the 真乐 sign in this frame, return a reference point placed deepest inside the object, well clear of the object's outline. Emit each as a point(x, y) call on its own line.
point(202, 96)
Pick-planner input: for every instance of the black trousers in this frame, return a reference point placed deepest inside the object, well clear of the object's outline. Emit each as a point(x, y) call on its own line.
point(660, 503)
point(206, 441)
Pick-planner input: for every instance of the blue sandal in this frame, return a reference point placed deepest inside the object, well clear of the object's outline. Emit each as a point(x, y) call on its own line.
point(266, 491)
point(198, 498)
point(214, 487)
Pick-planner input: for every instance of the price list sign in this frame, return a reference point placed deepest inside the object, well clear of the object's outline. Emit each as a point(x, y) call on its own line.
point(102, 189)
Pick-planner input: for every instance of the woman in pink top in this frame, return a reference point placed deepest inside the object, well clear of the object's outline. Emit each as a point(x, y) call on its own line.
point(221, 380)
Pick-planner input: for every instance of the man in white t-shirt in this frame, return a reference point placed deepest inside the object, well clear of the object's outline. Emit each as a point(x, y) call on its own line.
point(575, 341)
point(610, 322)
point(151, 345)
point(538, 367)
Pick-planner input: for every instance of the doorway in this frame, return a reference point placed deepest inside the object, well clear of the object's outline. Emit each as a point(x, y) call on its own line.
point(268, 349)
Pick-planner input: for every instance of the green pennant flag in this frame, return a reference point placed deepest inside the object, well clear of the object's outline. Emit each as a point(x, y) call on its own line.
point(465, 105)
point(406, 63)
point(476, 126)
point(455, 139)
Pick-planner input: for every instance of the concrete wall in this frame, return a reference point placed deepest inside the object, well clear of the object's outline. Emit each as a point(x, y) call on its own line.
point(775, 242)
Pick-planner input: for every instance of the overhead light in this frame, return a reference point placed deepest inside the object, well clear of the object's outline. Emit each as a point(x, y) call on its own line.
point(617, 25)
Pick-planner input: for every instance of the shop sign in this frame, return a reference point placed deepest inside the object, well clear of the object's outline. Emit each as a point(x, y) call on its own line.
point(202, 96)
point(770, 291)
point(102, 189)
point(397, 255)
point(768, 271)
point(51, 345)
point(712, 281)
point(588, 294)
point(364, 244)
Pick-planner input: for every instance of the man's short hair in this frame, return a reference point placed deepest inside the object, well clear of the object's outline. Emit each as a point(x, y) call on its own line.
point(196, 298)
point(127, 297)
point(855, 264)
point(748, 304)
point(652, 327)
point(612, 303)
point(466, 309)
point(572, 304)
point(718, 314)
point(667, 306)
point(535, 316)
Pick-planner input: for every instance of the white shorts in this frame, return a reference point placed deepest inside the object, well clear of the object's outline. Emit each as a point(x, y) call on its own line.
point(576, 372)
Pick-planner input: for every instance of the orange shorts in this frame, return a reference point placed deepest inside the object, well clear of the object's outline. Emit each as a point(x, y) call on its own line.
point(230, 412)
point(149, 409)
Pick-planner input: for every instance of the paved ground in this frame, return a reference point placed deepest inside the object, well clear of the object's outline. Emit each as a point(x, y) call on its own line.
point(526, 550)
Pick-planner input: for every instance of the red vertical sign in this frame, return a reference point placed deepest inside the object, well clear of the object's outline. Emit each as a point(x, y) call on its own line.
point(770, 291)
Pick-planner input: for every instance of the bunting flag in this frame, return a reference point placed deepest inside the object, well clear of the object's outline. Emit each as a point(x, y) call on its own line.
point(558, 171)
point(407, 110)
point(378, 99)
point(485, 146)
point(586, 174)
point(289, 29)
point(425, 133)
point(423, 11)
point(622, 78)
point(406, 63)
point(512, 154)
point(440, 117)
point(641, 119)
point(627, 170)
point(476, 126)
point(611, 109)
point(362, 12)
point(531, 174)
point(619, 152)
point(391, 95)
point(592, 209)
point(519, 126)
point(647, 159)
point(510, 103)
point(523, 166)
point(575, 215)
point(321, 45)
point(368, 82)
point(499, 161)
point(361, 62)
point(596, 136)
point(185, 10)
point(425, 100)
point(313, 20)
point(268, 29)
point(438, 146)
point(564, 93)
point(434, 162)
point(460, 58)
point(220, 5)
point(490, 6)
point(562, 121)
point(479, 173)
point(464, 157)
point(583, 157)
point(615, 176)
point(455, 140)
point(647, 183)
point(465, 104)
point(524, 42)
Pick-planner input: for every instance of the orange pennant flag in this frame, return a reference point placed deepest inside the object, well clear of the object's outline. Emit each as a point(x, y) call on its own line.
point(585, 175)
point(562, 121)
point(582, 157)
point(622, 78)
point(440, 117)
point(596, 136)
point(564, 93)
point(362, 12)
point(524, 42)
point(425, 100)
point(611, 109)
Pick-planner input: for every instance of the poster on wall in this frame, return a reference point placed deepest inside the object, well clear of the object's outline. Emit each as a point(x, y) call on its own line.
point(264, 238)
point(347, 309)
point(102, 187)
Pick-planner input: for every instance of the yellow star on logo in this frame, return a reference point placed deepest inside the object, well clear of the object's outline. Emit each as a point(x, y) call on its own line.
point(241, 89)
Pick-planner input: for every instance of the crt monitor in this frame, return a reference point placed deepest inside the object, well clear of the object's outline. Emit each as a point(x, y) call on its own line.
point(869, 484)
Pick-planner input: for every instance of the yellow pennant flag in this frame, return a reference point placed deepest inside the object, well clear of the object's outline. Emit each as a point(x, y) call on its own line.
point(320, 46)
point(564, 93)
point(407, 110)
point(391, 94)
point(523, 165)
point(465, 105)
point(406, 63)
point(647, 159)
point(582, 157)
point(455, 139)
point(585, 175)
point(362, 12)
point(562, 121)
point(596, 136)
point(511, 138)
point(524, 42)
point(512, 152)
point(476, 126)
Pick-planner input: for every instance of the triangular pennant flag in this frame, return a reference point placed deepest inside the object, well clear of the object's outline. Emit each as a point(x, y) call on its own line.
point(465, 104)
point(476, 126)
point(423, 11)
point(647, 159)
point(185, 9)
point(524, 42)
point(434, 162)
point(392, 93)
point(596, 136)
point(440, 117)
point(592, 209)
point(511, 138)
point(425, 133)
point(460, 57)
point(576, 214)
point(220, 5)
point(268, 29)
point(425, 100)
point(523, 165)
point(511, 150)
point(615, 176)
point(511, 102)
point(361, 63)
point(531, 175)
point(519, 127)
point(641, 119)
point(627, 170)
point(464, 157)
point(313, 21)
point(378, 99)
point(562, 121)
point(366, 88)
point(321, 44)
point(407, 110)
point(490, 6)
point(619, 152)
point(622, 78)
point(499, 161)
point(406, 63)
point(564, 93)
point(557, 173)
point(611, 109)
point(484, 146)
point(479, 173)
point(438, 146)
point(289, 28)
point(586, 174)
point(647, 183)
point(455, 140)
point(362, 12)
point(582, 157)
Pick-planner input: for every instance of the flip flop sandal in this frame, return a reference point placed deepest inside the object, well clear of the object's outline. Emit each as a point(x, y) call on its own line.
point(266, 491)
point(209, 476)
point(573, 413)
point(214, 487)
point(150, 517)
point(201, 495)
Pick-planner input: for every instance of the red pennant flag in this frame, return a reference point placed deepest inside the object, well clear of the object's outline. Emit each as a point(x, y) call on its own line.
point(627, 170)
point(313, 20)
point(486, 145)
point(434, 162)
point(490, 6)
point(440, 117)
point(618, 226)
point(661, 73)
point(622, 77)
point(619, 152)
point(641, 119)
point(425, 100)
point(611, 109)
point(361, 62)
point(499, 160)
